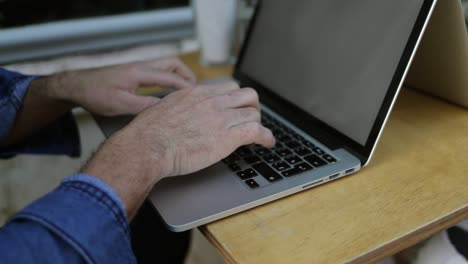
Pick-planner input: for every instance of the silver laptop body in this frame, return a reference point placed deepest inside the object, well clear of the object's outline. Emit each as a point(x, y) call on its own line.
point(328, 73)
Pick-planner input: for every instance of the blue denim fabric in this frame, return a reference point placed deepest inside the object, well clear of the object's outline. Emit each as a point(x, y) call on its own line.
point(13, 87)
point(60, 137)
point(77, 222)
point(81, 221)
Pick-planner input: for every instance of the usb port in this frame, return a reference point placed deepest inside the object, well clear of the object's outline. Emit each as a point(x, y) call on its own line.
point(334, 176)
point(349, 171)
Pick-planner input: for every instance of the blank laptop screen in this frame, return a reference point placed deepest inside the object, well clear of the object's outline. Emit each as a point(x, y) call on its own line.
point(335, 59)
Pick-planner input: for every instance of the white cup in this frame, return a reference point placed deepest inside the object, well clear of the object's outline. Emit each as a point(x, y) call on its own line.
point(216, 25)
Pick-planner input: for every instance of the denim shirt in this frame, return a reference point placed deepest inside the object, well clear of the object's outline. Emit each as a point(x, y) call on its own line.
point(83, 220)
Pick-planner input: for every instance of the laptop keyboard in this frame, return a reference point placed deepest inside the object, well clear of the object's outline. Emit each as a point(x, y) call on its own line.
point(292, 155)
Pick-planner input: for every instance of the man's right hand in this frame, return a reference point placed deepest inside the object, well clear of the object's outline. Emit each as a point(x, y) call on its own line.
point(185, 132)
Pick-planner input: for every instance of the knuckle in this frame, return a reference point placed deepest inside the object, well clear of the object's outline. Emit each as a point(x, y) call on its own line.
point(192, 92)
point(214, 102)
point(233, 85)
point(164, 78)
point(258, 115)
point(252, 112)
point(197, 89)
point(255, 128)
point(251, 93)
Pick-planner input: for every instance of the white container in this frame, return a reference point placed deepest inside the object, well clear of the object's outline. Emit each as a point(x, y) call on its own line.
point(216, 26)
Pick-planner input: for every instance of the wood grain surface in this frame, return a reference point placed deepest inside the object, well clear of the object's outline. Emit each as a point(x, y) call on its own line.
point(415, 186)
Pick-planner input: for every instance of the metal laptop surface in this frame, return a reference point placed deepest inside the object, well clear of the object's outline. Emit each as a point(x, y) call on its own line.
point(192, 200)
point(189, 201)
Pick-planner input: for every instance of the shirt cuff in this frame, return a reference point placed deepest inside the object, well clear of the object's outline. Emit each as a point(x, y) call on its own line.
point(59, 138)
point(87, 214)
point(16, 89)
point(85, 178)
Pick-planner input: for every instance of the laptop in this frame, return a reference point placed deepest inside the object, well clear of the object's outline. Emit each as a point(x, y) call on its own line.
point(327, 73)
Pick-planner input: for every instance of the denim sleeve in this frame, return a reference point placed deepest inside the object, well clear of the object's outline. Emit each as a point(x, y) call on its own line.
point(83, 220)
point(59, 137)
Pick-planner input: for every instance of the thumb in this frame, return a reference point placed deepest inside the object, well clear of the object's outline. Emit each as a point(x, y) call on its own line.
point(134, 104)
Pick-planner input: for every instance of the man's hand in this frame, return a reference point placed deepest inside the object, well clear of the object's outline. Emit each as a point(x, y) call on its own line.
point(186, 131)
point(112, 90)
point(105, 91)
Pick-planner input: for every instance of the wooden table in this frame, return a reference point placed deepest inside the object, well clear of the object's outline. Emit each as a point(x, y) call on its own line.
point(415, 186)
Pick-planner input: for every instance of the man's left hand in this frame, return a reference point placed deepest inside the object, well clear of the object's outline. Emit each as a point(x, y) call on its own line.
point(112, 90)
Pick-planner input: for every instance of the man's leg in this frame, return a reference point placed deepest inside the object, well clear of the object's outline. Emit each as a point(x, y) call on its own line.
point(153, 243)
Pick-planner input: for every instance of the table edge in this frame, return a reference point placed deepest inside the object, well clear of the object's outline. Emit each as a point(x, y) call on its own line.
point(382, 251)
point(412, 238)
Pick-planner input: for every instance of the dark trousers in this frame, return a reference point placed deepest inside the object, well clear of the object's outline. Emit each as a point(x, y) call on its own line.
point(153, 243)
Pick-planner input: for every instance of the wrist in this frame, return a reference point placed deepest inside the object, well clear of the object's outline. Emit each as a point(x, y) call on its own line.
point(60, 87)
point(121, 164)
point(147, 162)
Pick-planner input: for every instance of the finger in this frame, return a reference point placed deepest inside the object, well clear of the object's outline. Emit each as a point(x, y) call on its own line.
point(239, 116)
point(252, 133)
point(134, 104)
point(162, 78)
point(222, 88)
point(245, 97)
point(219, 88)
point(175, 65)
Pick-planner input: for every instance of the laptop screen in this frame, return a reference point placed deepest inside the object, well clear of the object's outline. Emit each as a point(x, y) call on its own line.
point(333, 59)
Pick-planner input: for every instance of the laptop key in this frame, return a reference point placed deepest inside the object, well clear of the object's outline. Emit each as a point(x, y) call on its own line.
point(292, 144)
point(252, 183)
point(267, 124)
point(231, 158)
point(308, 144)
point(246, 174)
point(271, 158)
point(277, 132)
point(251, 173)
point(262, 151)
point(277, 146)
point(280, 166)
point(291, 172)
point(298, 137)
point(329, 158)
point(234, 167)
point(243, 151)
point(293, 159)
point(283, 152)
point(242, 175)
point(302, 151)
point(284, 138)
point(252, 159)
point(304, 167)
point(315, 160)
point(268, 173)
point(318, 151)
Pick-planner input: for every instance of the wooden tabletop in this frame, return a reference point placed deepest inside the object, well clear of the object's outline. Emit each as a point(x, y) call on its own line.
point(416, 185)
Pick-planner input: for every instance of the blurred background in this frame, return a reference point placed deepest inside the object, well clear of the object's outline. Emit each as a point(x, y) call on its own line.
point(43, 37)
point(26, 12)
point(465, 7)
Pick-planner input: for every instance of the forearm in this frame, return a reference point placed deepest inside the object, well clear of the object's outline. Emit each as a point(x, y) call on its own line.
point(42, 105)
point(121, 164)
